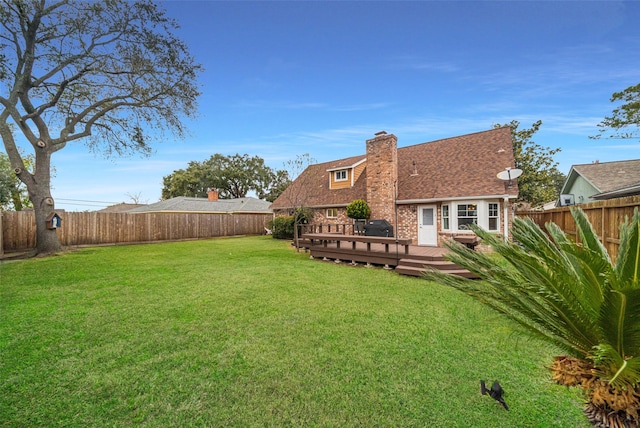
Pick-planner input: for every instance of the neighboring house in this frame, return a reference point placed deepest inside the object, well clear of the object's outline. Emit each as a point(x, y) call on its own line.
point(601, 180)
point(212, 204)
point(120, 208)
point(429, 191)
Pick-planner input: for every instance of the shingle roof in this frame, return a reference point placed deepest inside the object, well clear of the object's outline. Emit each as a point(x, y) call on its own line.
point(203, 205)
point(611, 176)
point(119, 208)
point(311, 188)
point(457, 167)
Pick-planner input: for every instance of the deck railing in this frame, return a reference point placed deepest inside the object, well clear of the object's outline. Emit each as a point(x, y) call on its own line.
point(337, 228)
point(356, 248)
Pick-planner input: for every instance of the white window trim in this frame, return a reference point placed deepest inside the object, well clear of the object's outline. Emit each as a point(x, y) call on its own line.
point(443, 217)
point(329, 216)
point(497, 216)
point(346, 175)
point(482, 217)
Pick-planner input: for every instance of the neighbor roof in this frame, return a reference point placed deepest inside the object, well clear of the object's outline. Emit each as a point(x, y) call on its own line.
point(120, 208)
point(204, 205)
point(457, 167)
point(611, 179)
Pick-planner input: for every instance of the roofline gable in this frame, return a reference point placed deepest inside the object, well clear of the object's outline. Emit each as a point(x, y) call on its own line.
point(572, 177)
point(347, 167)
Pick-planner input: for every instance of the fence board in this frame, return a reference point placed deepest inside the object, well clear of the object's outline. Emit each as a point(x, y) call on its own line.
point(95, 228)
point(605, 217)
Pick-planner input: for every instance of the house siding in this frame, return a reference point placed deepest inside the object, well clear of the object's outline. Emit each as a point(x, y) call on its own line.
point(358, 170)
point(582, 190)
point(341, 184)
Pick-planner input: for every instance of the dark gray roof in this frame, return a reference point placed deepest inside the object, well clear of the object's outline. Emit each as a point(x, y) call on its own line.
point(203, 205)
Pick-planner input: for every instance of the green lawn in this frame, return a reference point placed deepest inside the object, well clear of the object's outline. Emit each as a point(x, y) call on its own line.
point(247, 332)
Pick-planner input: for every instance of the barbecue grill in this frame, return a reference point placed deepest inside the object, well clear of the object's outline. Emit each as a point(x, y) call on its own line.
point(378, 228)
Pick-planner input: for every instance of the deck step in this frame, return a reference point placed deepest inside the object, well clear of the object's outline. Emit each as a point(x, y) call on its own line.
point(415, 271)
point(438, 264)
point(416, 267)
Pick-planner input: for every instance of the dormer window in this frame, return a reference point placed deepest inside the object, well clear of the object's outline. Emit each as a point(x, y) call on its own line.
point(343, 175)
point(340, 175)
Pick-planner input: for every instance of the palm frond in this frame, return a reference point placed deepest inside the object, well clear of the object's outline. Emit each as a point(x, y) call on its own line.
point(612, 367)
point(588, 235)
point(628, 261)
point(530, 314)
point(521, 288)
point(620, 321)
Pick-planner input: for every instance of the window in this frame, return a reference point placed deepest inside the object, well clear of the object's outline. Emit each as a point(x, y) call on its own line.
point(494, 219)
point(340, 175)
point(467, 214)
point(445, 217)
point(332, 212)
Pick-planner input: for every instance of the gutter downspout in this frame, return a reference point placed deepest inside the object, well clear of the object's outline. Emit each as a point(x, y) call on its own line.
point(505, 216)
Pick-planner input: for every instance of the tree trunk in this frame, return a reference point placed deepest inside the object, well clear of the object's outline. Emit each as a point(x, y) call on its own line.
point(39, 188)
point(47, 241)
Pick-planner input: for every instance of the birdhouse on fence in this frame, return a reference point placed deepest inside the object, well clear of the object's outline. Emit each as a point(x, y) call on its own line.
point(54, 221)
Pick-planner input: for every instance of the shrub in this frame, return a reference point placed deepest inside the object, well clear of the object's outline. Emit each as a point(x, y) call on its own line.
point(358, 209)
point(282, 227)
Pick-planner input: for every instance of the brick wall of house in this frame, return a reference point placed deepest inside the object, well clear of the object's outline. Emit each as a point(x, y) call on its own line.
point(407, 223)
point(382, 175)
point(320, 217)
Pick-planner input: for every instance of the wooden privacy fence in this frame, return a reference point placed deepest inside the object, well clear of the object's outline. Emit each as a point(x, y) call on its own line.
point(18, 229)
point(605, 217)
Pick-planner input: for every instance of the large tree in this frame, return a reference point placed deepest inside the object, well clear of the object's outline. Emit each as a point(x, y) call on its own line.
point(109, 73)
point(624, 121)
point(232, 176)
point(540, 173)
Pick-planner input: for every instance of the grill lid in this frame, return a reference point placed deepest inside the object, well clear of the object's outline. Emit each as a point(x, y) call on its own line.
point(378, 228)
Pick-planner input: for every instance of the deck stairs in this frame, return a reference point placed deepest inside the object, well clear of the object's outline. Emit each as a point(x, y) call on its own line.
point(414, 265)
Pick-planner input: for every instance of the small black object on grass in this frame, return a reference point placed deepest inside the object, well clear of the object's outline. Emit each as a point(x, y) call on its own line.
point(495, 392)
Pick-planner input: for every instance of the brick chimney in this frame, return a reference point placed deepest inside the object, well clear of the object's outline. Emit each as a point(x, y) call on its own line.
point(382, 175)
point(212, 194)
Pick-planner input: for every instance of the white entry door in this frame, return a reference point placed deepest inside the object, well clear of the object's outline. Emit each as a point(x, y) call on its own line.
point(427, 229)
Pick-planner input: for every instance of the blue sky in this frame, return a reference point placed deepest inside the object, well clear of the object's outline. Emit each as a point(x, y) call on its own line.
point(287, 78)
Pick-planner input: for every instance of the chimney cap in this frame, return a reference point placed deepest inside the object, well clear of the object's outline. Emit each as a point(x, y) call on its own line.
point(377, 134)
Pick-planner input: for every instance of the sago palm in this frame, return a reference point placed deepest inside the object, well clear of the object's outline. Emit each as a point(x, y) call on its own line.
point(572, 295)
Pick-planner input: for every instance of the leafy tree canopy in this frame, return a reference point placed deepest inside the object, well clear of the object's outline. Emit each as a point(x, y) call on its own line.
point(541, 179)
point(13, 193)
point(109, 73)
point(232, 176)
point(624, 121)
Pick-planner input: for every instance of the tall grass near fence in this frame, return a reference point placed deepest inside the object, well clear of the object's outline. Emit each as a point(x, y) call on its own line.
point(247, 332)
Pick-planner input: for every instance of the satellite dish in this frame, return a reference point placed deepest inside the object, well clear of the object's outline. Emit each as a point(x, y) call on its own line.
point(509, 174)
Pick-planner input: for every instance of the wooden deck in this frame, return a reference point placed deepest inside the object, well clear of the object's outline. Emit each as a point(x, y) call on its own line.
point(391, 253)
